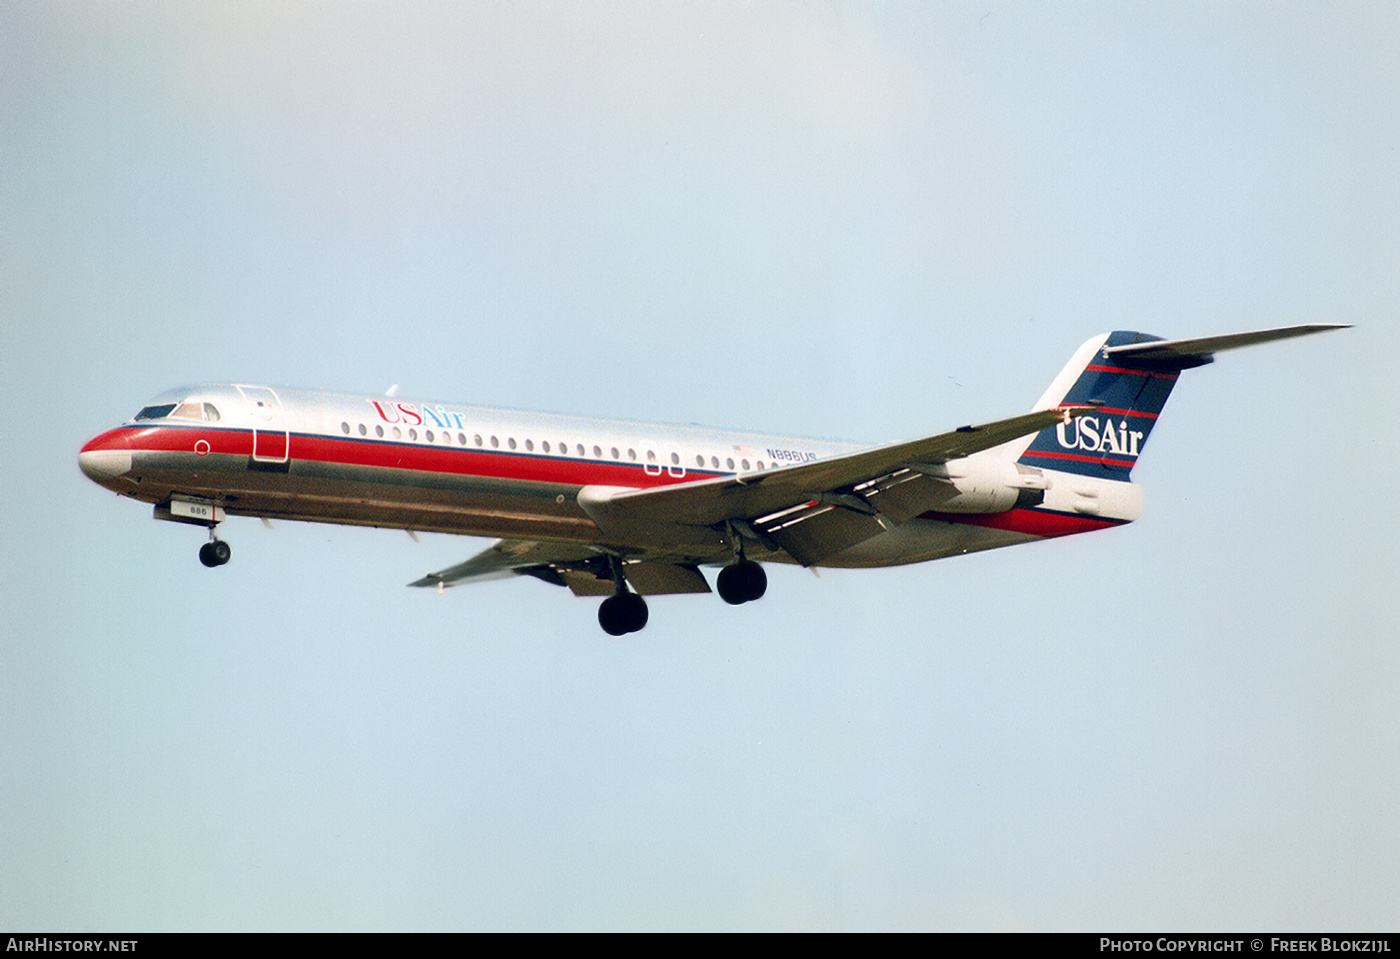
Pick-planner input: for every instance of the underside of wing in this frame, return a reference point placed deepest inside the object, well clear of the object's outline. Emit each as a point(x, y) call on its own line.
point(505, 558)
point(586, 570)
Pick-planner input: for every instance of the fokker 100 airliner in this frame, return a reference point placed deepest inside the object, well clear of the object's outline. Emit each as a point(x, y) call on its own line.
point(626, 510)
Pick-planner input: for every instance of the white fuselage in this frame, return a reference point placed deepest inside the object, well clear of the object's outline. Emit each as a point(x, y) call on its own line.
point(381, 461)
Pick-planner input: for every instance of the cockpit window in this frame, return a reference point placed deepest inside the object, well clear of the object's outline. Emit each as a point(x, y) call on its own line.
point(187, 410)
point(155, 412)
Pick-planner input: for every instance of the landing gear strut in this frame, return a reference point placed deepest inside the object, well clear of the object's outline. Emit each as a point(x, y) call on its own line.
point(215, 552)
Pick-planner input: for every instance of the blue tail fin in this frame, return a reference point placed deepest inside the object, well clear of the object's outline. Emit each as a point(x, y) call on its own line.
point(1128, 392)
point(1127, 377)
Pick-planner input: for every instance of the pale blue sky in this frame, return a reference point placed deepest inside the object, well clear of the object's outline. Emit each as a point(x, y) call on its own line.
point(869, 221)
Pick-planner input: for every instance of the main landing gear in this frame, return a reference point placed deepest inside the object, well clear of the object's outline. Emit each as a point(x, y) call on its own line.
point(741, 582)
point(626, 612)
point(622, 613)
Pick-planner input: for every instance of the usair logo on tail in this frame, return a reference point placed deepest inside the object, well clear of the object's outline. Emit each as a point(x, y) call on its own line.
point(1092, 435)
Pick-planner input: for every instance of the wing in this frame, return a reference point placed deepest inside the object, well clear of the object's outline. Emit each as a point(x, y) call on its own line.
point(657, 537)
point(586, 570)
point(748, 495)
point(505, 557)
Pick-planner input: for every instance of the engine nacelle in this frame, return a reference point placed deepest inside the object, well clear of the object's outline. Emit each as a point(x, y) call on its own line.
point(979, 485)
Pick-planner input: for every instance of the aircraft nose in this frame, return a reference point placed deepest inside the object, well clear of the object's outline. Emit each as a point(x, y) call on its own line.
point(105, 458)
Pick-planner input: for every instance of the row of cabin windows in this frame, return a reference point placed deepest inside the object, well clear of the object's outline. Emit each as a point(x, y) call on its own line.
point(397, 433)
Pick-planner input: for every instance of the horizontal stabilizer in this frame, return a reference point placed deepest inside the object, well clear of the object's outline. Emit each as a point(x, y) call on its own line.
point(1168, 351)
point(1126, 377)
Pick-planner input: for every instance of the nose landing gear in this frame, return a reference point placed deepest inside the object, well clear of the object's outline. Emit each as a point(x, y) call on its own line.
point(197, 511)
point(215, 552)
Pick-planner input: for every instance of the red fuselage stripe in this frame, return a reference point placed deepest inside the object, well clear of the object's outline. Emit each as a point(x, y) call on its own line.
point(1079, 458)
point(308, 448)
point(387, 454)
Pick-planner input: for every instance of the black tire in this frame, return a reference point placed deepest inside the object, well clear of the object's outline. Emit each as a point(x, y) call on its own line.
point(611, 618)
point(637, 612)
point(728, 586)
point(221, 552)
point(755, 581)
point(622, 614)
point(741, 582)
point(207, 557)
